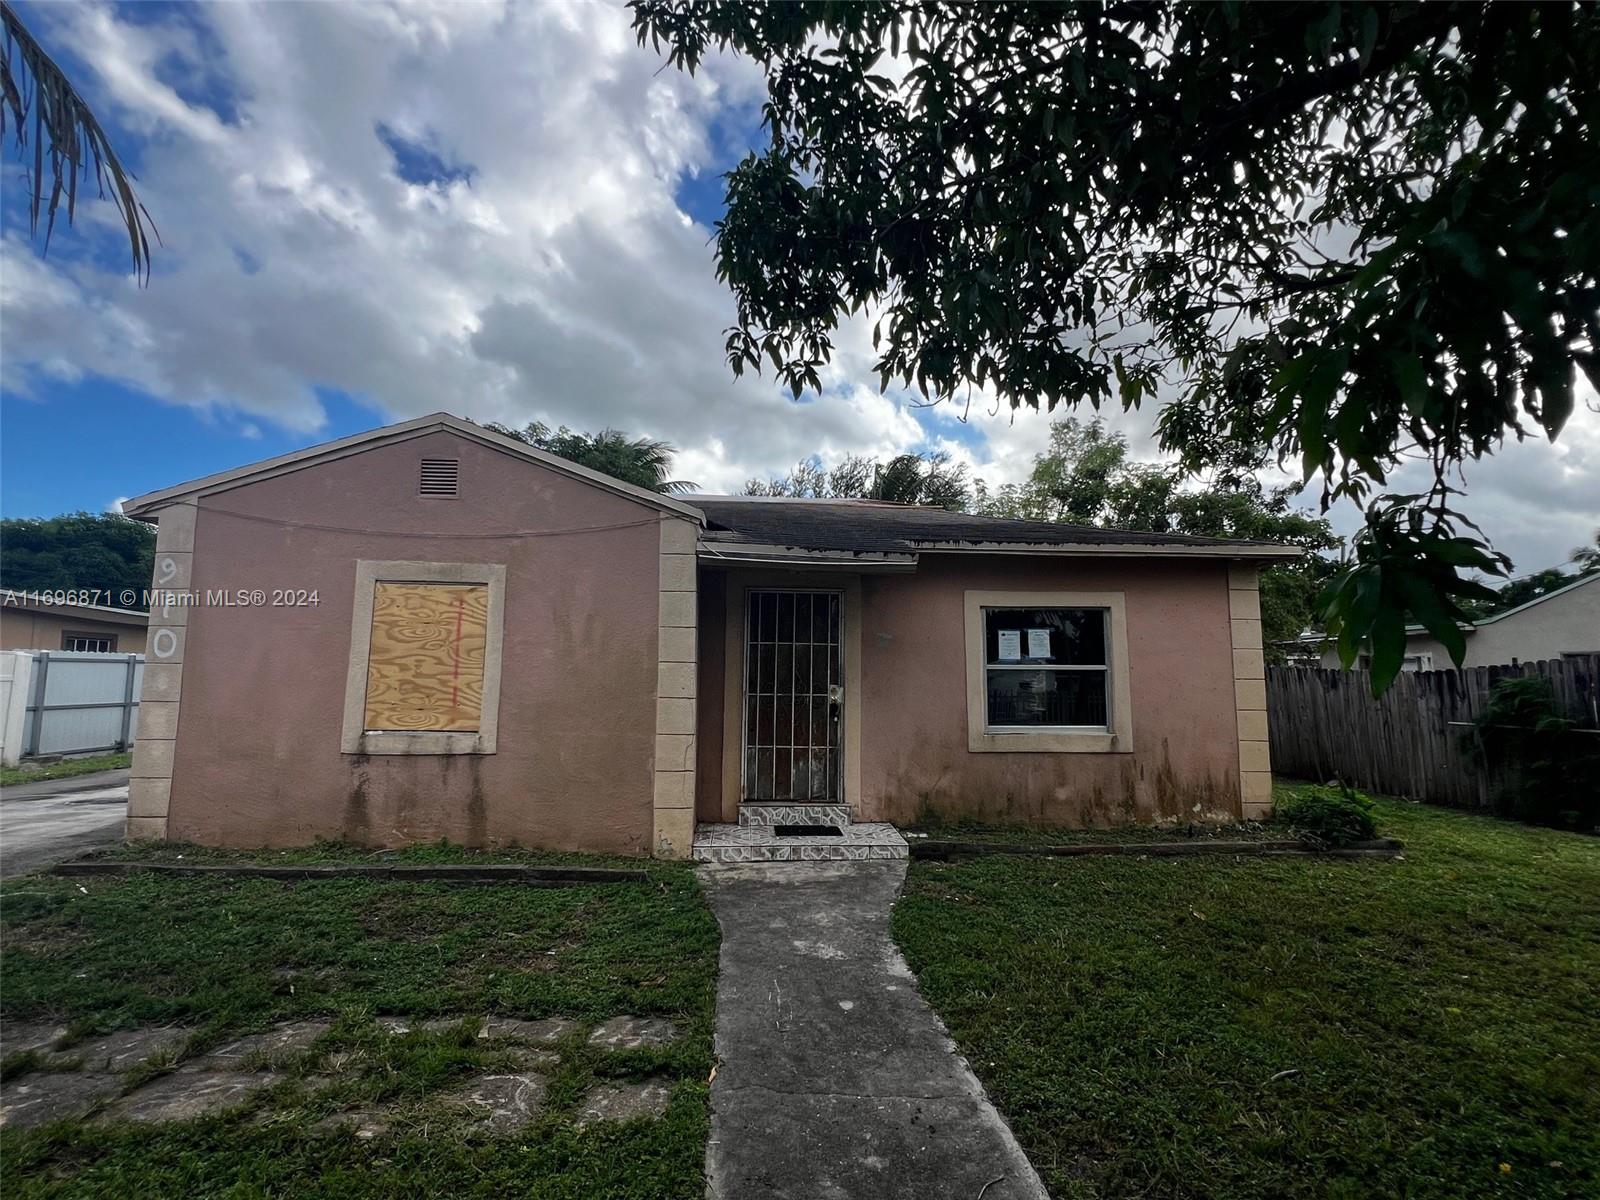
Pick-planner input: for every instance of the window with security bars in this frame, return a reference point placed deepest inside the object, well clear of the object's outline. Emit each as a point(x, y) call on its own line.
point(794, 685)
point(88, 643)
point(1046, 668)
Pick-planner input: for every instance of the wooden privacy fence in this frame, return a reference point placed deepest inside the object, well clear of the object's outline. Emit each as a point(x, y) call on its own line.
point(1409, 742)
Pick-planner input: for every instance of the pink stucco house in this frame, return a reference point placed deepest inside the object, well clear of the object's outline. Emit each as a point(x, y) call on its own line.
point(434, 631)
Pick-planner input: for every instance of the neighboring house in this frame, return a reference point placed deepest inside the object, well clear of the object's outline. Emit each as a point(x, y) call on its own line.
point(1564, 623)
point(28, 624)
point(444, 633)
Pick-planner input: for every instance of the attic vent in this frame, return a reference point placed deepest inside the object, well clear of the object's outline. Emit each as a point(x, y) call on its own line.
point(439, 477)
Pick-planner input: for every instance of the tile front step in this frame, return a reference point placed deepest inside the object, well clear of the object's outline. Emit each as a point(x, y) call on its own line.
point(755, 843)
point(756, 815)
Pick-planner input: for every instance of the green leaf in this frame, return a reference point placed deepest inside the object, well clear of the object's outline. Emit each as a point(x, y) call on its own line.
point(1388, 647)
point(1411, 381)
point(1424, 599)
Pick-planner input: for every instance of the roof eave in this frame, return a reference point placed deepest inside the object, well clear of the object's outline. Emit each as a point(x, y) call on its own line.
point(149, 505)
point(751, 554)
point(17, 601)
point(1115, 549)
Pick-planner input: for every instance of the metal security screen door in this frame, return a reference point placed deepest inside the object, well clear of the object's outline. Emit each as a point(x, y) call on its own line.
point(793, 696)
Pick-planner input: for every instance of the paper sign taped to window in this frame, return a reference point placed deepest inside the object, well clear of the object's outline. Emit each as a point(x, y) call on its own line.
point(1038, 643)
point(1010, 645)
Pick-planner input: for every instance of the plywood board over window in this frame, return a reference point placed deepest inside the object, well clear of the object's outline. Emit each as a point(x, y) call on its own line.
point(426, 662)
point(425, 646)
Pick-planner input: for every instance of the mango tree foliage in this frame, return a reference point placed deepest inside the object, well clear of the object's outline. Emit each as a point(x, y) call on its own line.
point(930, 477)
point(1342, 235)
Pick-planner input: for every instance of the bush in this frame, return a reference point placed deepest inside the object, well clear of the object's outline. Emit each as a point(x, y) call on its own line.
point(1542, 764)
point(1334, 813)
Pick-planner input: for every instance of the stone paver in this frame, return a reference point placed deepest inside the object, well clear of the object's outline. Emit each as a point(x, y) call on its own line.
point(403, 1025)
point(361, 1123)
point(542, 1033)
point(528, 1058)
point(272, 1045)
point(624, 1101)
point(127, 1048)
point(34, 1099)
point(502, 1103)
point(19, 1037)
point(835, 1078)
point(629, 1033)
point(188, 1095)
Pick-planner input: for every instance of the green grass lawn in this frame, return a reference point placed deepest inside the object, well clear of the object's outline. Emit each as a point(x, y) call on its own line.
point(231, 956)
point(1249, 1027)
point(66, 768)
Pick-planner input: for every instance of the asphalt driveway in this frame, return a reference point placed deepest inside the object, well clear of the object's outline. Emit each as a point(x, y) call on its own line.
point(43, 823)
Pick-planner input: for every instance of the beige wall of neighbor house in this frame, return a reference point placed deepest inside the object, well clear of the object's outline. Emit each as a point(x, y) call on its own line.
point(578, 758)
point(27, 625)
point(1564, 622)
point(1178, 756)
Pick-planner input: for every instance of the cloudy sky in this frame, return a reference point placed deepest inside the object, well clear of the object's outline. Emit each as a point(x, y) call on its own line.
point(373, 211)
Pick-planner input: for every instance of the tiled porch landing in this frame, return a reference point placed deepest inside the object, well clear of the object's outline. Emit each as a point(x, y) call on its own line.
point(756, 839)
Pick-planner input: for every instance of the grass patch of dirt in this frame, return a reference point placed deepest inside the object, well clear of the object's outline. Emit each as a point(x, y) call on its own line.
point(65, 769)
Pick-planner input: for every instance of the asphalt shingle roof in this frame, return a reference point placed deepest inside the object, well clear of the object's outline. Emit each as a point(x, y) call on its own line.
point(873, 527)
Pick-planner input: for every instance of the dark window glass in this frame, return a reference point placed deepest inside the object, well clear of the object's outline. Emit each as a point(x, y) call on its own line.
point(1047, 698)
point(1046, 667)
point(1075, 636)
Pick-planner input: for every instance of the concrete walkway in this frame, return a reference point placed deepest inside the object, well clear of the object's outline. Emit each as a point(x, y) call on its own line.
point(836, 1080)
point(55, 819)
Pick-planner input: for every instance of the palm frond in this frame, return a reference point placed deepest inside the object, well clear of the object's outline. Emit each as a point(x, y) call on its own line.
point(67, 136)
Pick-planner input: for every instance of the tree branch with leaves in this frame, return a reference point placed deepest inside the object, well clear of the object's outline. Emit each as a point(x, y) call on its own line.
point(1347, 236)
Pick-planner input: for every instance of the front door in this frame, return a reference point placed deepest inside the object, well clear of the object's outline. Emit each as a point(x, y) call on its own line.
point(793, 697)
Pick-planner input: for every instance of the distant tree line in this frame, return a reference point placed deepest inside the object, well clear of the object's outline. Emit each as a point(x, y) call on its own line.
point(81, 550)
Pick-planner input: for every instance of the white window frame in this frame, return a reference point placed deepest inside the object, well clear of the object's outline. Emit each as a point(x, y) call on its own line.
point(355, 738)
point(1115, 738)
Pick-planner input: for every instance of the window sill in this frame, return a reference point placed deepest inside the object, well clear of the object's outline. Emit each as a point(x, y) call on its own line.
point(981, 741)
point(420, 742)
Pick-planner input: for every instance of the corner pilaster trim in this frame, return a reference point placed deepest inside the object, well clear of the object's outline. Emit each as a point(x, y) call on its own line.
point(1250, 692)
point(677, 666)
point(160, 699)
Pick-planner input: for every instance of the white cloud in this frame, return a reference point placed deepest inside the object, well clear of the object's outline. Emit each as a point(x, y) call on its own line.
point(560, 281)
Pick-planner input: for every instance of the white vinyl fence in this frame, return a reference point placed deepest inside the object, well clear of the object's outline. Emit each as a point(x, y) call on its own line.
point(57, 702)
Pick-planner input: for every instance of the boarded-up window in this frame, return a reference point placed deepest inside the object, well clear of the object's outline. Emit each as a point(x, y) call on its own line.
point(425, 666)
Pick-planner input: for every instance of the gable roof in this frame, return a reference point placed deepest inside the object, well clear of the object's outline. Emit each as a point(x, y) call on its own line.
point(12, 600)
point(148, 506)
point(877, 528)
point(1523, 607)
point(1471, 627)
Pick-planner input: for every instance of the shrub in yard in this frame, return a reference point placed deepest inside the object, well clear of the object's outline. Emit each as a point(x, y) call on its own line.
point(1543, 765)
point(1335, 813)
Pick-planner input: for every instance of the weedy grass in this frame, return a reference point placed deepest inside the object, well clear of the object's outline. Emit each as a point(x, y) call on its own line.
point(65, 769)
point(1249, 1027)
point(980, 832)
point(229, 956)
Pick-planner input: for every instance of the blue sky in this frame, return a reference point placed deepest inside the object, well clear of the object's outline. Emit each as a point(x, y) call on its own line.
point(502, 210)
point(215, 363)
